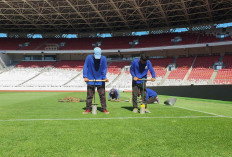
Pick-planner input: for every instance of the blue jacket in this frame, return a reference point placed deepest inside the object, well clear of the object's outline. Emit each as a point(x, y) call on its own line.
point(95, 69)
point(151, 93)
point(116, 91)
point(140, 70)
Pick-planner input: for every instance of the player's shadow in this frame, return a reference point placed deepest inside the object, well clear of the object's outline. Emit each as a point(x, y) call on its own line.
point(128, 108)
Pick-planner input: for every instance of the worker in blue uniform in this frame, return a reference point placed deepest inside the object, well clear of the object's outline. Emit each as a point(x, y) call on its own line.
point(113, 94)
point(152, 96)
point(138, 70)
point(95, 68)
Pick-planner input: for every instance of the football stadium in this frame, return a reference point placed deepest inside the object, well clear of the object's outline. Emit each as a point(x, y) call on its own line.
point(115, 78)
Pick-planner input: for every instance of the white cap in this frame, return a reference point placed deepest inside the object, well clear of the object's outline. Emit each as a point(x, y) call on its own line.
point(97, 52)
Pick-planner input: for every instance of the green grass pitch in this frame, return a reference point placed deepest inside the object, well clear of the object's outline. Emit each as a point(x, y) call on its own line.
point(36, 124)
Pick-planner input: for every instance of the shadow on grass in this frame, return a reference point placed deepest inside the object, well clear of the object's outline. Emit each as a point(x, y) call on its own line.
point(128, 108)
point(98, 108)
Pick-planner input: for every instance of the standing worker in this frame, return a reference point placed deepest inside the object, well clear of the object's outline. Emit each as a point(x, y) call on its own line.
point(95, 68)
point(113, 94)
point(138, 70)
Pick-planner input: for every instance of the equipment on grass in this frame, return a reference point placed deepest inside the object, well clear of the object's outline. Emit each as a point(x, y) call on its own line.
point(170, 101)
point(94, 105)
point(142, 106)
point(94, 108)
point(113, 100)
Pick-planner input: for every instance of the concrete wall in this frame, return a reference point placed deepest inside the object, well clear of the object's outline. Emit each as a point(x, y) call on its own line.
point(16, 57)
point(217, 92)
point(71, 56)
point(4, 59)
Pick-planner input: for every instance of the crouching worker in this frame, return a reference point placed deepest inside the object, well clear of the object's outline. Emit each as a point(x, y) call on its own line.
point(113, 94)
point(152, 97)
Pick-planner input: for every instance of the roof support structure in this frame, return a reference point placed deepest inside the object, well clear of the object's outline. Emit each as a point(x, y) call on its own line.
point(59, 13)
point(21, 14)
point(99, 14)
point(185, 12)
point(209, 10)
point(79, 14)
point(40, 14)
point(119, 13)
point(109, 16)
point(140, 13)
point(13, 22)
point(162, 12)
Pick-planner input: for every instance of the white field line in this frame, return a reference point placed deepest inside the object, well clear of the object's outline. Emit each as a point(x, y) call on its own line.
point(202, 112)
point(112, 118)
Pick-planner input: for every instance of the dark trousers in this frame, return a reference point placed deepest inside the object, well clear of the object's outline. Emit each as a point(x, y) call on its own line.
point(151, 100)
point(91, 91)
point(113, 96)
point(135, 92)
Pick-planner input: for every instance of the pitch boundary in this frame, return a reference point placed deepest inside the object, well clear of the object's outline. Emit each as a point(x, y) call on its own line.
point(202, 111)
point(112, 118)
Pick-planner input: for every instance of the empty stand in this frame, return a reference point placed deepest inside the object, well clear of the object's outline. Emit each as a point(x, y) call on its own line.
point(228, 61)
point(80, 44)
point(52, 78)
point(152, 40)
point(12, 43)
point(207, 38)
point(115, 73)
point(17, 76)
point(56, 41)
point(203, 69)
point(155, 40)
point(77, 82)
point(177, 75)
point(116, 67)
point(34, 44)
point(159, 66)
point(68, 73)
point(165, 39)
point(229, 38)
point(117, 42)
point(188, 38)
point(70, 64)
point(183, 65)
point(35, 64)
point(224, 75)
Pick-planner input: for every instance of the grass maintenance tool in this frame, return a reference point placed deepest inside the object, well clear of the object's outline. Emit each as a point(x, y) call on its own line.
point(112, 100)
point(94, 105)
point(170, 101)
point(142, 106)
point(144, 99)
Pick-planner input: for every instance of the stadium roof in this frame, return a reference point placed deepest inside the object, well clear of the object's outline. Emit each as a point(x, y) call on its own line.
point(75, 16)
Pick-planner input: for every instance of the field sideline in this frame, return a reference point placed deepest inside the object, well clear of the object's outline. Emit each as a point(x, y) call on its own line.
point(36, 124)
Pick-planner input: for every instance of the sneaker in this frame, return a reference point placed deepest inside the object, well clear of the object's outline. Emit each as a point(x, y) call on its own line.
point(135, 110)
point(86, 111)
point(147, 111)
point(105, 111)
